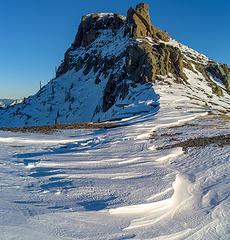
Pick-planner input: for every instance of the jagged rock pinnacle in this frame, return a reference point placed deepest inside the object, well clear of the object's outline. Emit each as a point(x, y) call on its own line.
point(140, 24)
point(142, 10)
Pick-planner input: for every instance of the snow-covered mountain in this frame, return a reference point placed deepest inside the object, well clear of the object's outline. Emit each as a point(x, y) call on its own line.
point(6, 102)
point(111, 70)
point(163, 174)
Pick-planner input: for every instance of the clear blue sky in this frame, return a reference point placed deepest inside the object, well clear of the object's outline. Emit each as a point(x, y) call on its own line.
point(34, 34)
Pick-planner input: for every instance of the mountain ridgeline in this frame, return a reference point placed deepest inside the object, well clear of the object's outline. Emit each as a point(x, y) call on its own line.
point(110, 70)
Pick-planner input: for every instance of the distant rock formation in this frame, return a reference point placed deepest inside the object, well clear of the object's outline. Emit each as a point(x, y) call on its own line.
point(6, 102)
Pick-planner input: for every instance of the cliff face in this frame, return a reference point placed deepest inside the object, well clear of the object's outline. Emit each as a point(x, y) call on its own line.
point(145, 61)
point(136, 25)
point(110, 70)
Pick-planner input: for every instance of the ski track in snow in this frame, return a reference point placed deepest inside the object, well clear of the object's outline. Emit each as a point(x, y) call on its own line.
point(113, 184)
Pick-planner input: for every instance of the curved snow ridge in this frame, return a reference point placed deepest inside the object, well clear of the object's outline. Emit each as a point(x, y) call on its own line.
point(184, 203)
point(33, 141)
point(112, 176)
point(175, 153)
point(170, 124)
point(178, 122)
point(160, 194)
point(53, 140)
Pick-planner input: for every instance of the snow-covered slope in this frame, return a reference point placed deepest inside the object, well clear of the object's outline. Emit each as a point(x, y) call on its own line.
point(111, 72)
point(159, 176)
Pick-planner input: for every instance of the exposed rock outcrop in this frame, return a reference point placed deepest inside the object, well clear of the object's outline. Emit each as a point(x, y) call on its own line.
point(146, 63)
point(88, 31)
point(90, 26)
point(222, 72)
point(140, 25)
point(137, 25)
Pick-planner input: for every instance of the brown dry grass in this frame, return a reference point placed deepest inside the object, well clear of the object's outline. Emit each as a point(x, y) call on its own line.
point(51, 128)
point(220, 141)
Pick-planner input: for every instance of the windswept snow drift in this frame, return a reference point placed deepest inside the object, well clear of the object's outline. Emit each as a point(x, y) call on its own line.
point(182, 206)
point(114, 183)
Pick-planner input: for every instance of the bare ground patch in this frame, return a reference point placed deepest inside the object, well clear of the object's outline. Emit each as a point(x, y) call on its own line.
point(220, 141)
point(174, 136)
point(51, 128)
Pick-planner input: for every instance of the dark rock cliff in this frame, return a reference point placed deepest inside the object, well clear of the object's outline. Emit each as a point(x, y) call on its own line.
point(137, 25)
point(144, 62)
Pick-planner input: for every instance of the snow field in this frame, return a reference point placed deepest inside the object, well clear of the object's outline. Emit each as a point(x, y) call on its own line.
point(113, 183)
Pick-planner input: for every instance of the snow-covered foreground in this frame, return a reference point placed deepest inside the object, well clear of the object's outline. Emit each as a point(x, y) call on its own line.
point(114, 183)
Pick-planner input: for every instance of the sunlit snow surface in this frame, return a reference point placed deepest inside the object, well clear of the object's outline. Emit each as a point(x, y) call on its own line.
point(114, 184)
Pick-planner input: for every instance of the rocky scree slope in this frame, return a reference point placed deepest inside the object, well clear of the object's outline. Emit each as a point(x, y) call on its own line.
point(110, 72)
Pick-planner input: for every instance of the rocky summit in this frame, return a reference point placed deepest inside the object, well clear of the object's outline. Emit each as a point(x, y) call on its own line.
point(112, 69)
